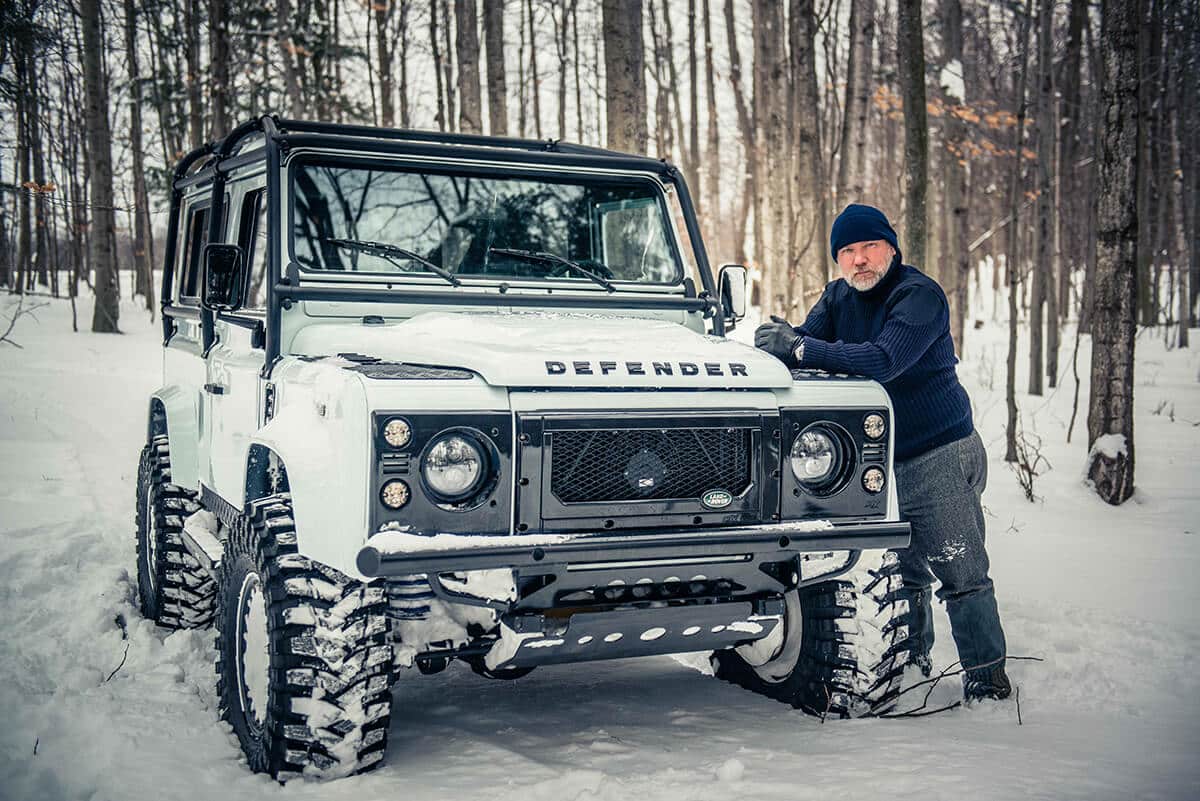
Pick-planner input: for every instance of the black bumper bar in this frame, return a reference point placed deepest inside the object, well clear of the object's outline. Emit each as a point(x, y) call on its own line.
point(764, 543)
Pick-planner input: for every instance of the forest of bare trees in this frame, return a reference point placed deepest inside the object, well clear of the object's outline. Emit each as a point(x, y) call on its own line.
point(999, 137)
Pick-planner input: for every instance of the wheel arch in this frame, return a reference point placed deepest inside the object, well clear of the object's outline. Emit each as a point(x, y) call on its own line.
point(174, 412)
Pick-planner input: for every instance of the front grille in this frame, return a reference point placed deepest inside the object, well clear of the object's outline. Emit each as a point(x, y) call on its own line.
point(648, 464)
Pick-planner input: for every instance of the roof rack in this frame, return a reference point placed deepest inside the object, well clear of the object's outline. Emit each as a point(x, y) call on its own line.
point(201, 164)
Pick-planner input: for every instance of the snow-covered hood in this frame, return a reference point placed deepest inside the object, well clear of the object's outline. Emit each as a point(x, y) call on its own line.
point(547, 349)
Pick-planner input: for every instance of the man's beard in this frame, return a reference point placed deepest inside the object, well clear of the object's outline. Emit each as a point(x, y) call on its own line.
point(866, 283)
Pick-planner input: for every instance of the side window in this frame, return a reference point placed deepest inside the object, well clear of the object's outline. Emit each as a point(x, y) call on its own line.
point(197, 238)
point(253, 240)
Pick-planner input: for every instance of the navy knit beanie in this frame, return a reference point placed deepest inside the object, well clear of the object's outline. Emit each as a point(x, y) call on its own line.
point(860, 223)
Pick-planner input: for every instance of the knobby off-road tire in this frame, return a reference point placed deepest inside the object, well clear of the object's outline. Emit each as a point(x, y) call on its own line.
point(849, 657)
point(303, 662)
point(175, 591)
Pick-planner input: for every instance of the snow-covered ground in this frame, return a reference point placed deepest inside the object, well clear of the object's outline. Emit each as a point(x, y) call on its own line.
point(96, 703)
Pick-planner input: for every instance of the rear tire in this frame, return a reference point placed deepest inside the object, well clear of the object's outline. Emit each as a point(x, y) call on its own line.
point(844, 645)
point(303, 662)
point(174, 590)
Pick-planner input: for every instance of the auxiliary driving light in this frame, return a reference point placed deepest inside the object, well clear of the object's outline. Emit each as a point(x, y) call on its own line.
point(397, 432)
point(872, 480)
point(873, 426)
point(453, 467)
point(394, 494)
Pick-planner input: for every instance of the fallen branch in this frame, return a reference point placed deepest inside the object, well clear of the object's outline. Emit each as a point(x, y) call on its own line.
point(118, 667)
point(17, 315)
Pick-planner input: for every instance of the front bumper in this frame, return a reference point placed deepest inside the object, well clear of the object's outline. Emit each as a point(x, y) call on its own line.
point(764, 543)
point(605, 595)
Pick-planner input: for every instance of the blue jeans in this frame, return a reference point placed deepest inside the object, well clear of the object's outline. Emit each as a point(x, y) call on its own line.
point(940, 494)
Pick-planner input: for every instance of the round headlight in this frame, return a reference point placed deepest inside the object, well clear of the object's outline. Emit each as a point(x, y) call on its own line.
point(873, 480)
point(814, 456)
point(394, 494)
point(453, 467)
point(873, 426)
point(397, 432)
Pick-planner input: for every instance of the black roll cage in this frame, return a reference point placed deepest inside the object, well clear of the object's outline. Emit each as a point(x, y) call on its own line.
point(218, 159)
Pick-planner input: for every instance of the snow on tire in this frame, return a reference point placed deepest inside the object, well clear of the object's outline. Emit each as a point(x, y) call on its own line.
point(176, 592)
point(843, 647)
point(303, 662)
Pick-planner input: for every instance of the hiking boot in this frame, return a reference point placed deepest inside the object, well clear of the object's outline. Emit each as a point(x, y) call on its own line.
point(989, 684)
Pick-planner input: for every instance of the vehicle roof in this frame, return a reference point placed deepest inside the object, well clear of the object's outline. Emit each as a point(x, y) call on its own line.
point(231, 151)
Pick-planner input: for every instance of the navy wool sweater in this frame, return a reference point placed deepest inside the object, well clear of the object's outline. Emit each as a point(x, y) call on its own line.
point(898, 333)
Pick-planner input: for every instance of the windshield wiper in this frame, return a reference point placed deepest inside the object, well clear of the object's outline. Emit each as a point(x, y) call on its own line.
point(550, 258)
point(391, 253)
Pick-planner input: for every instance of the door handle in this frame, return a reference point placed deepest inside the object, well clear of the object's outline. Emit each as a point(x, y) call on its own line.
point(214, 389)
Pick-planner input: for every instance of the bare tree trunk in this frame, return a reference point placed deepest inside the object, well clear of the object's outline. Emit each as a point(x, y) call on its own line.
point(401, 36)
point(1114, 324)
point(746, 128)
point(287, 55)
point(712, 155)
point(807, 225)
point(24, 213)
point(37, 101)
point(562, 49)
point(1071, 114)
point(535, 84)
point(771, 96)
point(218, 62)
point(1043, 262)
point(440, 116)
point(447, 64)
point(103, 256)
point(195, 106)
point(1146, 191)
point(384, 9)
point(956, 259)
point(693, 166)
point(852, 150)
point(577, 59)
point(625, 72)
point(142, 233)
point(1013, 258)
point(493, 35)
point(911, 55)
point(470, 104)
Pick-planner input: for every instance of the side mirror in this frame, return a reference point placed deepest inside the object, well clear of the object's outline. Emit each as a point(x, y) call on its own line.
point(224, 277)
point(732, 286)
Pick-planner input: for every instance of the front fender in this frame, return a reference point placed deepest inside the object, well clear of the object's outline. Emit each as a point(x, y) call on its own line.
point(179, 415)
point(321, 435)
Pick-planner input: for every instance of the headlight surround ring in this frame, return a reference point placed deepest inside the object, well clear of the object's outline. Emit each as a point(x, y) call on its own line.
point(822, 458)
point(457, 467)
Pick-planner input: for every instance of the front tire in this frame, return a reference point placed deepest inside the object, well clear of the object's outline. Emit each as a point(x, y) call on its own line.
point(303, 661)
point(843, 649)
point(174, 590)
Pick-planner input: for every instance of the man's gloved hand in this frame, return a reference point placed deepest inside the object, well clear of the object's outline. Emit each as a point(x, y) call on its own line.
point(777, 338)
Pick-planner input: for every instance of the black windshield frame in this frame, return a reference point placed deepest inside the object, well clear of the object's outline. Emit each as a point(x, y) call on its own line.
point(477, 169)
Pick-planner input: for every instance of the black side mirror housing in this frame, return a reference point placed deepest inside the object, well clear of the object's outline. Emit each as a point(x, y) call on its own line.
point(732, 287)
point(224, 277)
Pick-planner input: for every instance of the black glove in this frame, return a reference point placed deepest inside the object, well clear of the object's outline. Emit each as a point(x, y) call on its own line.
point(777, 338)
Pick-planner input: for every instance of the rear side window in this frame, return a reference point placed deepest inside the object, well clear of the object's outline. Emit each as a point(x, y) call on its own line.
point(253, 240)
point(197, 238)
point(193, 253)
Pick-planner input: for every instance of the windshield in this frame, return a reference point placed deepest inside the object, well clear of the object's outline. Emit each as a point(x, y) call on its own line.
point(481, 225)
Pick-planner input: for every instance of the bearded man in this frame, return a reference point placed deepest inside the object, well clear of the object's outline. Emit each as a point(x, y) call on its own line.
point(889, 321)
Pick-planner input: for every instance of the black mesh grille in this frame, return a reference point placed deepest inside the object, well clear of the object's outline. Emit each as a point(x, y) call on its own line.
point(633, 465)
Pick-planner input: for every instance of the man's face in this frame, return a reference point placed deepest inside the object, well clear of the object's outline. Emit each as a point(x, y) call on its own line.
point(863, 264)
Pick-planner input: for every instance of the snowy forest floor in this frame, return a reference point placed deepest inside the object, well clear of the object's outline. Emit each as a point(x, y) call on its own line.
point(96, 703)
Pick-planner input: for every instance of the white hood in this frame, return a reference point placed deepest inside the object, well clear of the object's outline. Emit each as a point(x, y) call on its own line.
point(562, 350)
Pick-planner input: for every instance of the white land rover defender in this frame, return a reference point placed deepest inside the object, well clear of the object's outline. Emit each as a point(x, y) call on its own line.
point(431, 397)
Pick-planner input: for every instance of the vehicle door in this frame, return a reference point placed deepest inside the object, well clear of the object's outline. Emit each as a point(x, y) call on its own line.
point(234, 387)
point(184, 371)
